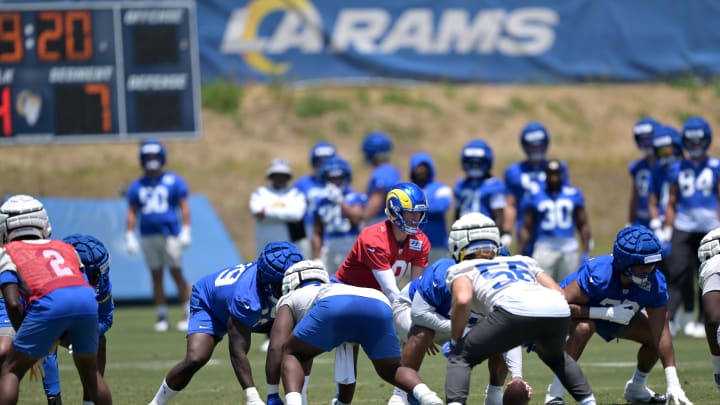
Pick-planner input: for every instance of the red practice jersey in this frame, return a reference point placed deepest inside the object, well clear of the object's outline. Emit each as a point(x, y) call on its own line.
point(377, 249)
point(44, 266)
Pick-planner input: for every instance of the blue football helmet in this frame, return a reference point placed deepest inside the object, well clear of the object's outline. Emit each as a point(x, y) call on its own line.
point(534, 139)
point(336, 167)
point(696, 136)
point(476, 159)
point(376, 144)
point(643, 131)
point(635, 245)
point(275, 258)
point(667, 144)
point(406, 197)
point(320, 152)
point(93, 255)
point(152, 155)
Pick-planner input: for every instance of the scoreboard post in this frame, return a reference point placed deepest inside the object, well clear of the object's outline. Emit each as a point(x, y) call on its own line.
point(98, 71)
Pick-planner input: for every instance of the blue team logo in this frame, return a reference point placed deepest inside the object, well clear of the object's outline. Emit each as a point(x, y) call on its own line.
point(415, 244)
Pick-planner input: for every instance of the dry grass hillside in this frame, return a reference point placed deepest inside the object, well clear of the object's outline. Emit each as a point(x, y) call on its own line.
point(590, 127)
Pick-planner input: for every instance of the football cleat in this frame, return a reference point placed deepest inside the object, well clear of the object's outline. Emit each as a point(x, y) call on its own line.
point(554, 401)
point(641, 394)
point(162, 325)
point(396, 399)
point(716, 377)
point(265, 346)
point(182, 325)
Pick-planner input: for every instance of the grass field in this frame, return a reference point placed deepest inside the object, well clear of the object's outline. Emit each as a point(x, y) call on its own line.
point(139, 358)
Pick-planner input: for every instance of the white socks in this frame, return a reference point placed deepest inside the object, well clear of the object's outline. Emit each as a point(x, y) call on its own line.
point(293, 398)
point(494, 395)
point(164, 394)
point(588, 401)
point(639, 377)
point(716, 364)
point(556, 389)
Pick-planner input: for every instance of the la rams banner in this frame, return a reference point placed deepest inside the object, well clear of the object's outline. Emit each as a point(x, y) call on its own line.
point(510, 41)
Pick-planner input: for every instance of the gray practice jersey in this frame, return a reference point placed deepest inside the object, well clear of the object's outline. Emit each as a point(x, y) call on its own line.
point(509, 282)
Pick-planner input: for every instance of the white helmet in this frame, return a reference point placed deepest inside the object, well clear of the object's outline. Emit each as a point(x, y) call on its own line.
point(469, 228)
point(709, 245)
point(23, 216)
point(301, 272)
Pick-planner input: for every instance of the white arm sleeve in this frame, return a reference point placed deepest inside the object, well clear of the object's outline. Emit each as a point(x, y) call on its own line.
point(513, 361)
point(387, 282)
point(423, 314)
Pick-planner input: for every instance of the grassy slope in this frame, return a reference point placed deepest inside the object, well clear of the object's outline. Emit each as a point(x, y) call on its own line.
point(590, 128)
point(139, 359)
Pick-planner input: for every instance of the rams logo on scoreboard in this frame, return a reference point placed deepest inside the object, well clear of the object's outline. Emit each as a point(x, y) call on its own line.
point(265, 30)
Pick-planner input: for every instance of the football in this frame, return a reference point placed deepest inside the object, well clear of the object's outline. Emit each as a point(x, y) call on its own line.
point(517, 392)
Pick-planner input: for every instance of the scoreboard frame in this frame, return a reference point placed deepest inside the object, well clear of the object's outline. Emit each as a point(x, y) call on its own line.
point(97, 71)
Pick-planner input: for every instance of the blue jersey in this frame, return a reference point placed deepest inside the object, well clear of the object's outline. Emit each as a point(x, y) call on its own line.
point(554, 213)
point(641, 174)
point(432, 288)
point(313, 189)
point(382, 178)
point(335, 224)
point(697, 196)
point(479, 195)
point(597, 279)
point(526, 177)
point(157, 200)
point(439, 197)
point(233, 291)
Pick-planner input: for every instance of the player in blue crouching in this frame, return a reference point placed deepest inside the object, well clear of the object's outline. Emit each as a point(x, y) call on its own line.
point(96, 262)
point(314, 317)
point(236, 301)
point(607, 296)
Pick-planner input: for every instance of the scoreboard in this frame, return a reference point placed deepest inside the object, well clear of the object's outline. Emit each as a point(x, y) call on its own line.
point(97, 71)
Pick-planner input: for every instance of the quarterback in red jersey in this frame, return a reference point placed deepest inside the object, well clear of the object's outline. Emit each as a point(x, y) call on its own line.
point(387, 251)
point(383, 253)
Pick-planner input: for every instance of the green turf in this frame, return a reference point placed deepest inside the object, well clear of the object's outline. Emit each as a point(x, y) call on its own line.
point(139, 358)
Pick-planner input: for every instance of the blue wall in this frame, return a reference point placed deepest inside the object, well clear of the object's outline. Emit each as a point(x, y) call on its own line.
point(212, 248)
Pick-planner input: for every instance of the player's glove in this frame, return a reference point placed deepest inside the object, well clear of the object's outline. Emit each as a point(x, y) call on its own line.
point(131, 243)
point(185, 237)
point(274, 399)
point(506, 240)
point(448, 347)
point(621, 314)
point(334, 194)
point(675, 394)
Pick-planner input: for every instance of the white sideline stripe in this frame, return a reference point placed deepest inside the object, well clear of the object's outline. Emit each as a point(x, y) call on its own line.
point(632, 364)
point(166, 364)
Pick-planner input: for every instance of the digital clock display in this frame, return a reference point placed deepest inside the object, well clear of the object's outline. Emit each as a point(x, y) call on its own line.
point(85, 71)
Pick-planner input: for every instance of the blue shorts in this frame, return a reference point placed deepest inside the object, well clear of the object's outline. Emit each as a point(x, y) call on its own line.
point(5, 320)
point(69, 310)
point(201, 320)
point(608, 330)
point(349, 318)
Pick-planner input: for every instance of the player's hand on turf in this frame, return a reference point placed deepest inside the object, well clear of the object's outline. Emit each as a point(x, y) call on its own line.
point(274, 399)
point(676, 396)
